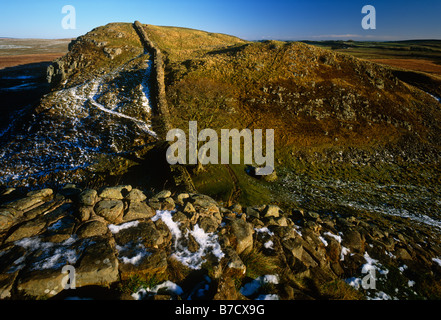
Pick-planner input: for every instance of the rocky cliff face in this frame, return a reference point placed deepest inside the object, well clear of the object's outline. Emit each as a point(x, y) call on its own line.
point(188, 246)
point(98, 114)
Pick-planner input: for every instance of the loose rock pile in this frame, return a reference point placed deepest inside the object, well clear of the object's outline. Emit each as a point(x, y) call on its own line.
point(117, 233)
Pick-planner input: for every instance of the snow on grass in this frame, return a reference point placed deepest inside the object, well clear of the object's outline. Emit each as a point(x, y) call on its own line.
point(117, 228)
point(208, 242)
point(167, 286)
point(253, 286)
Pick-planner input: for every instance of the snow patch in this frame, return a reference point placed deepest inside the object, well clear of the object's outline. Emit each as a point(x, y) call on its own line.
point(208, 242)
point(168, 286)
point(117, 228)
point(253, 286)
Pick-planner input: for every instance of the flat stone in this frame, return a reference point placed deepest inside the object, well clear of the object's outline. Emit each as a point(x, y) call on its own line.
point(138, 210)
point(145, 232)
point(43, 209)
point(91, 229)
point(27, 230)
point(111, 210)
point(40, 284)
point(296, 247)
point(154, 263)
point(60, 230)
point(25, 204)
point(98, 265)
point(43, 193)
point(235, 266)
point(352, 240)
point(7, 284)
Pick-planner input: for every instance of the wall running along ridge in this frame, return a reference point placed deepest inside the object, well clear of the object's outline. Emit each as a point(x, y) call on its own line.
point(180, 175)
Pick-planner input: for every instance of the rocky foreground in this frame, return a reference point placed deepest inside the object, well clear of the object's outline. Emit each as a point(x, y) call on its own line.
point(187, 246)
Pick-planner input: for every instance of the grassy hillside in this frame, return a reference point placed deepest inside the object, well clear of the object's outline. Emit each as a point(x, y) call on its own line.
point(329, 110)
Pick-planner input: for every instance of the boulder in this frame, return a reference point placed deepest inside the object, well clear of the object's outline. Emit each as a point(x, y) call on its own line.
point(352, 240)
point(242, 234)
point(138, 210)
point(25, 204)
point(151, 264)
point(88, 197)
point(181, 198)
point(115, 193)
point(208, 223)
point(202, 200)
point(136, 195)
point(91, 229)
point(144, 232)
point(111, 210)
point(98, 265)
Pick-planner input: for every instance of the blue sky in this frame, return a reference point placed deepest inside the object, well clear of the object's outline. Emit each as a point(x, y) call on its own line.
point(251, 20)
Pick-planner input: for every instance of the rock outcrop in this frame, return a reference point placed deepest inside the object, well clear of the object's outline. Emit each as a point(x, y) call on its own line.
point(126, 235)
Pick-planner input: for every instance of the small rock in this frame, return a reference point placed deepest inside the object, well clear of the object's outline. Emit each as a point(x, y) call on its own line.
point(189, 208)
point(208, 224)
point(352, 240)
point(271, 211)
point(84, 213)
point(168, 204)
point(163, 194)
point(180, 199)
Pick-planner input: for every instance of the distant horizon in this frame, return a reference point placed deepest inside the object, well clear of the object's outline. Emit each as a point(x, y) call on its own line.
point(313, 38)
point(287, 20)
